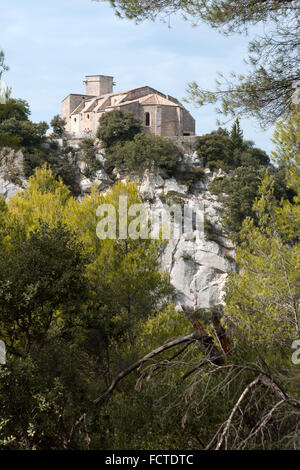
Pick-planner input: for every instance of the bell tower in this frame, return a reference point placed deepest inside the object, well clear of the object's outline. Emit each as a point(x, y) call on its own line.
point(98, 85)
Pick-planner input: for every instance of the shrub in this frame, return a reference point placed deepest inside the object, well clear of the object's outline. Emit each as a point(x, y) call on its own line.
point(190, 177)
point(14, 108)
point(211, 231)
point(214, 150)
point(238, 191)
point(145, 151)
point(89, 158)
point(29, 134)
point(219, 149)
point(117, 126)
point(58, 125)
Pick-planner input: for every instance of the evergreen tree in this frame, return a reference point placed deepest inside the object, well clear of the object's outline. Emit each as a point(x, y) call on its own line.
point(58, 124)
point(117, 126)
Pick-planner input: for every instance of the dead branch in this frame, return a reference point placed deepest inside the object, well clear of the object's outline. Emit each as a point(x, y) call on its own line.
point(182, 339)
point(205, 339)
point(234, 409)
point(220, 332)
point(277, 390)
point(136, 365)
point(262, 423)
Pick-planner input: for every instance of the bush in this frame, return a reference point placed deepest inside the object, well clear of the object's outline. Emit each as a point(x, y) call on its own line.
point(62, 162)
point(145, 151)
point(13, 108)
point(89, 158)
point(211, 231)
point(219, 149)
point(30, 137)
point(8, 141)
point(58, 125)
point(117, 126)
point(214, 150)
point(29, 134)
point(238, 191)
point(190, 177)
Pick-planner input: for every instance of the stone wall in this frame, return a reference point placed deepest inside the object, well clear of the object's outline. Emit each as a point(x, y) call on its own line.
point(98, 85)
point(67, 107)
point(170, 125)
point(188, 122)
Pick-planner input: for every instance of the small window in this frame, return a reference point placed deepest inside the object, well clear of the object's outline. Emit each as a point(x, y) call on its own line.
point(88, 116)
point(147, 119)
point(75, 119)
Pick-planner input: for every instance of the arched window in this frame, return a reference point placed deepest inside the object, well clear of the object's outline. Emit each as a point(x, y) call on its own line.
point(88, 116)
point(75, 119)
point(147, 119)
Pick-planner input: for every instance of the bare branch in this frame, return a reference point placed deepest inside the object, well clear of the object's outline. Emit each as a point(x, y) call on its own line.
point(234, 409)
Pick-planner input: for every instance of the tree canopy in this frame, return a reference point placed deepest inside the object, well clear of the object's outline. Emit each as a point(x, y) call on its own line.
point(145, 151)
point(221, 149)
point(117, 126)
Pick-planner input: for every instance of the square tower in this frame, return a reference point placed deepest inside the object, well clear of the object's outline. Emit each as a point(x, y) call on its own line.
point(98, 85)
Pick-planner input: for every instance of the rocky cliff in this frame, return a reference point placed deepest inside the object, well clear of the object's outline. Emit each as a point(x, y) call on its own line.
point(198, 262)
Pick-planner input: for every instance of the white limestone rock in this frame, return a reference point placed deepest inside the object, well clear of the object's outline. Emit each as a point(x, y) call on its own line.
point(102, 179)
point(100, 156)
point(191, 160)
point(86, 185)
point(171, 185)
point(8, 189)
point(150, 183)
point(199, 267)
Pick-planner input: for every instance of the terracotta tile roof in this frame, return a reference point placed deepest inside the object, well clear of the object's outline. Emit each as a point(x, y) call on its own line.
point(157, 99)
point(101, 103)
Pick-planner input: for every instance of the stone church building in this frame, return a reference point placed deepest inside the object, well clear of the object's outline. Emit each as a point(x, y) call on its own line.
point(160, 114)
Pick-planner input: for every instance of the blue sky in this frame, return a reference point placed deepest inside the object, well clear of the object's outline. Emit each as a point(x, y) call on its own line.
point(51, 46)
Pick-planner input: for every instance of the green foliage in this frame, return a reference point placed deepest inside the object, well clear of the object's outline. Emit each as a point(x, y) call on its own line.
point(127, 283)
point(265, 90)
point(189, 176)
point(286, 139)
point(238, 190)
point(17, 132)
point(13, 108)
point(211, 232)
point(58, 125)
point(44, 200)
point(61, 160)
point(117, 126)
point(76, 310)
point(39, 277)
point(262, 307)
point(145, 151)
point(72, 312)
point(42, 393)
point(269, 262)
point(221, 150)
point(92, 165)
point(9, 142)
point(127, 146)
point(29, 134)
